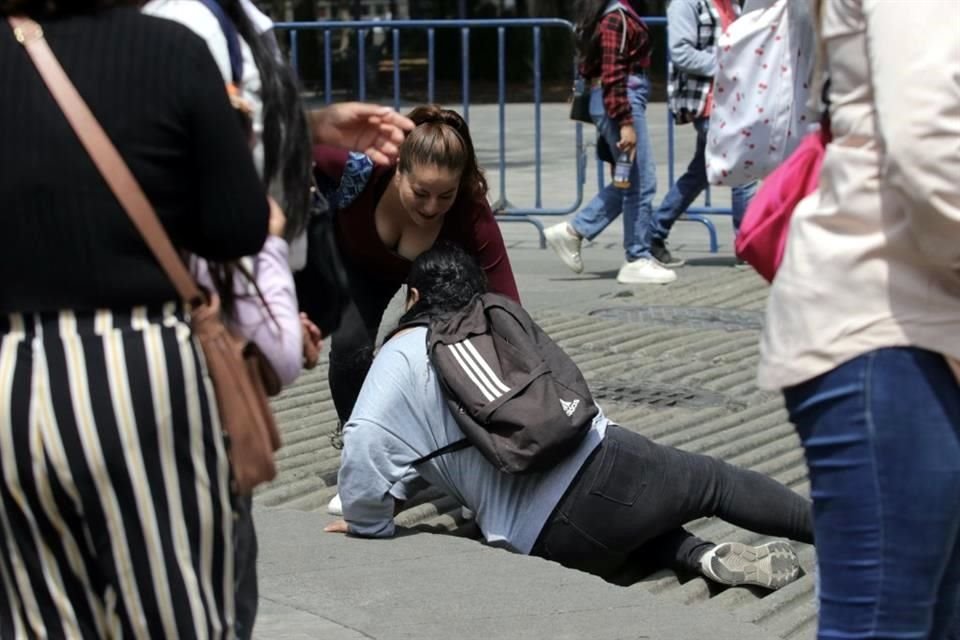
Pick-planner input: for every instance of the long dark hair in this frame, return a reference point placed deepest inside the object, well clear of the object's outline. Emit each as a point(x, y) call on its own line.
point(48, 8)
point(442, 138)
point(286, 137)
point(447, 278)
point(286, 147)
point(588, 15)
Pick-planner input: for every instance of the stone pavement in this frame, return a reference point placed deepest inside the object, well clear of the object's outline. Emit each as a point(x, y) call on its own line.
point(673, 362)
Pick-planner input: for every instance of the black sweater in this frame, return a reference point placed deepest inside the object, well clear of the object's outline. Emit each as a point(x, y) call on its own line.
point(152, 84)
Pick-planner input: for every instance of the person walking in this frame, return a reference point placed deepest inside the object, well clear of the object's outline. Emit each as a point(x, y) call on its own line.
point(116, 514)
point(614, 49)
point(693, 29)
point(863, 319)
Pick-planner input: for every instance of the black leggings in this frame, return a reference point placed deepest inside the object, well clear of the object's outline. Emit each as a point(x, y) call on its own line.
point(353, 344)
point(628, 505)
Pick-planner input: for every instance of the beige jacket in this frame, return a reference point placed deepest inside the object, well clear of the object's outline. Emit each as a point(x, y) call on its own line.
point(873, 257)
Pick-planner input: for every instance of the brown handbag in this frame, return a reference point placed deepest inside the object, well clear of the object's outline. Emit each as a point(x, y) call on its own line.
point(238, 371)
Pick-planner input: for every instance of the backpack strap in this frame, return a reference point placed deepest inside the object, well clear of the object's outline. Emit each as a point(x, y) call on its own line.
point(416, 322)
point(623, 9)
point(233, 40)
point(457, 445)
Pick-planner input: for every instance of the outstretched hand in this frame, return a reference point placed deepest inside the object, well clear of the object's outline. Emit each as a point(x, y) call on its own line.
point(368, 128)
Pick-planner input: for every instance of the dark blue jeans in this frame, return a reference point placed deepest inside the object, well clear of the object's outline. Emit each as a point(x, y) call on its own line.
point(882, 439)
point(691, 184)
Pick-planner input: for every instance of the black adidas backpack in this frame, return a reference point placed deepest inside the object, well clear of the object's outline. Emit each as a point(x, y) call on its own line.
point(515, 394)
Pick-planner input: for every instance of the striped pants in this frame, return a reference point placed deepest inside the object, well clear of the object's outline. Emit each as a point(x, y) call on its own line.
point(115, 507)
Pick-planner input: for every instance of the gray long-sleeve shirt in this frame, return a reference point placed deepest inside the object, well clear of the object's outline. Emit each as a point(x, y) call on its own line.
point(683, 39)
point(401, 416)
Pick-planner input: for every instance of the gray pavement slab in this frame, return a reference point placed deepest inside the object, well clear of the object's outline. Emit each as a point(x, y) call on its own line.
point(435, 587)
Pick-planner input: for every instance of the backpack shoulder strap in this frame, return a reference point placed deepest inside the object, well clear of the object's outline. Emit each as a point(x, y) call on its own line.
point(457, 445)
point(410, 324)
point(233, 39)
point(623, 10)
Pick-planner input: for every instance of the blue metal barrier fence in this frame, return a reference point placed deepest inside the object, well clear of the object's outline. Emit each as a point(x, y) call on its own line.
point(507, 212)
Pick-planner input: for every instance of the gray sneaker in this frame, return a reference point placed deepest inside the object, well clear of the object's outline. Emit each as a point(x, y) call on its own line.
point(566, 245)
point(772, 565)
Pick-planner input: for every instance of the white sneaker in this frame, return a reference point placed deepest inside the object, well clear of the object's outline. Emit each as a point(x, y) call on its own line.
point(645, 271)
point(566, 245)
point(334, 507)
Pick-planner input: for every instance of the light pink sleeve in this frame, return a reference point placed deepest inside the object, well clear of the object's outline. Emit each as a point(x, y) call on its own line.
point(278, 333)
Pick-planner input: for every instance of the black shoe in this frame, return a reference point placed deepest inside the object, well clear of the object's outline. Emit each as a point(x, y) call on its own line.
point(658, 248)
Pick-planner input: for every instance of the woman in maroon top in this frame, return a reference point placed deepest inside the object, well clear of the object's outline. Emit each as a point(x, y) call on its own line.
point(387, 216)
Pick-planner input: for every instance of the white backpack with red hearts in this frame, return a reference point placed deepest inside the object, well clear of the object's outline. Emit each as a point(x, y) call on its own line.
point(761, 93)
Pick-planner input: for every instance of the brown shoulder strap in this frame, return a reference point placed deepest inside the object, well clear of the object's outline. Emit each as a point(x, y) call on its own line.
point(105, 156)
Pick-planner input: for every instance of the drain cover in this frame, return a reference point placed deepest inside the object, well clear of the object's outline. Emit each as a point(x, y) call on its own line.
point(699, 317)
point(659, 395)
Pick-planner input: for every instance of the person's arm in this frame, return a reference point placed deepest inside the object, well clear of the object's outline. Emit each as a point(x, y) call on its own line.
point(916, 84)
point(614, 67)
point(229, 199)
point(367, 128)
point(272, 323)
point(374, 458)
point(368, 471)
point(328, 165)
point(490, 252)
point(276, 330)
point(682, 28)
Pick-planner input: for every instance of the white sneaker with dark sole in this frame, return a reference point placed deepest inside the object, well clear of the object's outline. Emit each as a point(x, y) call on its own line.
point(771, 566)
point(565, 245)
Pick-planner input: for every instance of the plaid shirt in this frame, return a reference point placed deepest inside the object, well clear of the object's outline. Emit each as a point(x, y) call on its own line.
point(688, 94)
point(624, 50)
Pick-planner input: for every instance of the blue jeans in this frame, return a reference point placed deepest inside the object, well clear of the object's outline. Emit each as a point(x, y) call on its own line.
point(689, 187)
point(882, 439)
point(636, 202)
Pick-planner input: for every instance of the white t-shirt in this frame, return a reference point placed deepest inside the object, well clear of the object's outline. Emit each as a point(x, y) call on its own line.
point(200, 20)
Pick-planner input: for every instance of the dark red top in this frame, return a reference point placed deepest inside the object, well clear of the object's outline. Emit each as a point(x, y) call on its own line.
point(469, 223)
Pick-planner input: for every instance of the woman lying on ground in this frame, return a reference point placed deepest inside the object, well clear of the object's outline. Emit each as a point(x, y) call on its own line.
point(618, 500)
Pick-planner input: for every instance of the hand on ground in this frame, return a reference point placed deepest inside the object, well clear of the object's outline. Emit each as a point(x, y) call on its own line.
point(337, 526)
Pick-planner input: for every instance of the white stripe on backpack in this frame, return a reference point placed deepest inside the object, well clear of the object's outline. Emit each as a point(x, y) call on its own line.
point(478, 370)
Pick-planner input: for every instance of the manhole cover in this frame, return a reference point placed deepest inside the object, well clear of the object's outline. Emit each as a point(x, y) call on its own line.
point(658, 395)
point(698, 317)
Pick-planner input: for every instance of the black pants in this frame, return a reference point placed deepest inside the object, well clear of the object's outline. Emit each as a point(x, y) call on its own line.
point(351, 351)
point(628, 505)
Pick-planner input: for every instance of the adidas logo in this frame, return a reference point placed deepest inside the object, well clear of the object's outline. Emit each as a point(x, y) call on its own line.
point(569, 407)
